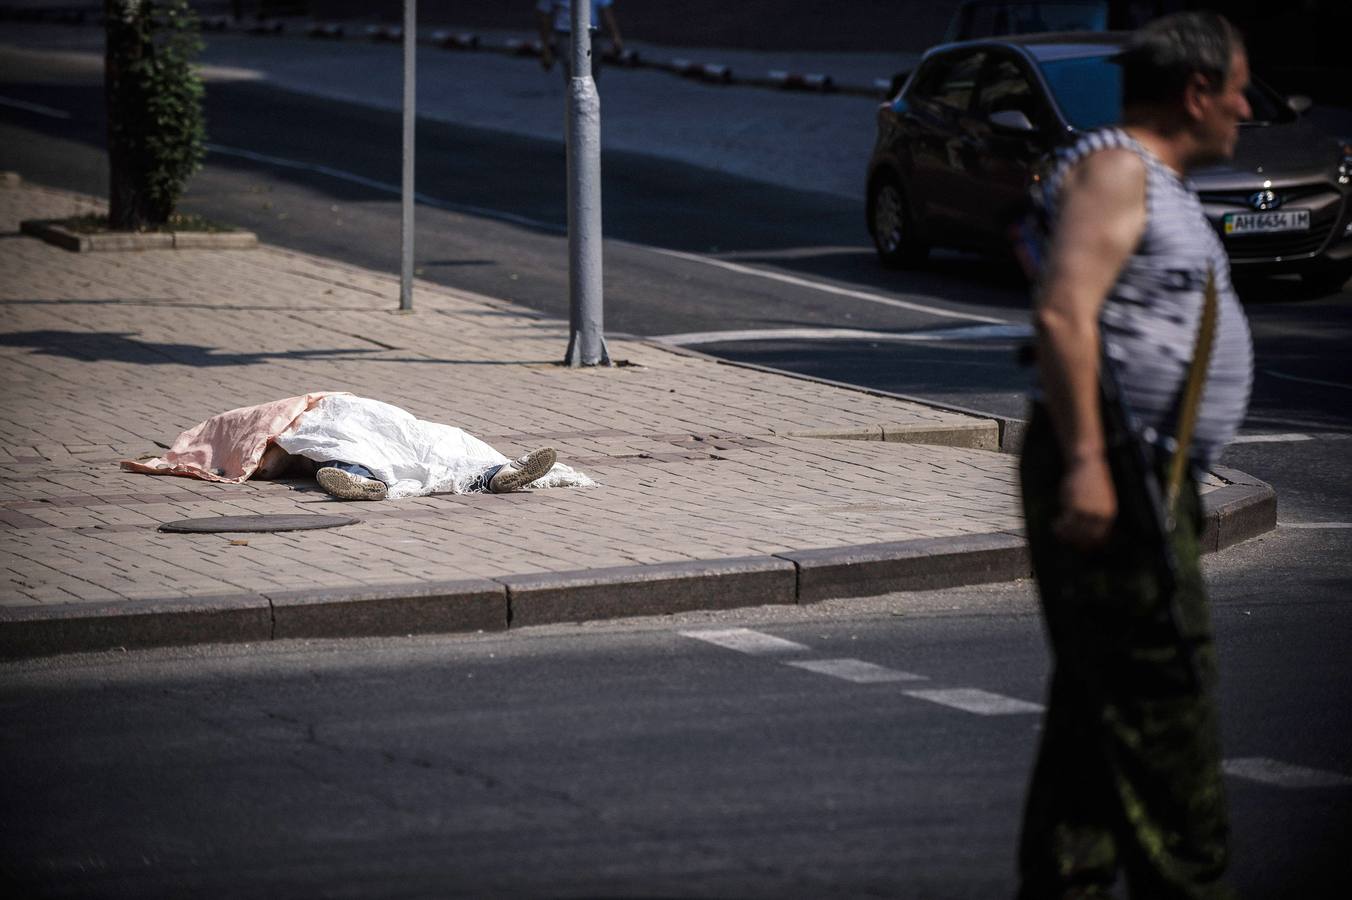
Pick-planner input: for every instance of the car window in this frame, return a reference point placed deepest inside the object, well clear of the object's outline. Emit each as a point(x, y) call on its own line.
point(1006, 86)
point(1088, 90)
point(950, 81)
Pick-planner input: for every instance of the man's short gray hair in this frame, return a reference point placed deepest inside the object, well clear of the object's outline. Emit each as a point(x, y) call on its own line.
point(1160, 58)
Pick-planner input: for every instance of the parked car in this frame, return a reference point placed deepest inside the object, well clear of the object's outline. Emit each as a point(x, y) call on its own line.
point(976, 120)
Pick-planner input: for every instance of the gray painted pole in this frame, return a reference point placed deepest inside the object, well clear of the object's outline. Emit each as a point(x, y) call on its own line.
point(586, 339)
point(406, 193)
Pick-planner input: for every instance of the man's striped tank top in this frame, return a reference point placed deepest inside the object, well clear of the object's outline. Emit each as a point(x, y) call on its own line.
point(1150, 317)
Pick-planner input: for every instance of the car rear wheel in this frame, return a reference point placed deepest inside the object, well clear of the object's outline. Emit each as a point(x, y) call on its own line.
point(890, 223)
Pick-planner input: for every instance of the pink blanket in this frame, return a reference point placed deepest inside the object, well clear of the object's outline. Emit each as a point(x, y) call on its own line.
point(229, 447)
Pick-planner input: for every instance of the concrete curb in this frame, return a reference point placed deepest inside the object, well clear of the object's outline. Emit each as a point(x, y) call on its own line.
point(363, 611)
point(54, 233)
point(1242, 509)
point(548, 597)
point(919, 565)
point(47, 630)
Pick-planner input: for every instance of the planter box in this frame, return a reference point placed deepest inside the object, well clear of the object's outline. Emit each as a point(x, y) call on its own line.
point(114, 241)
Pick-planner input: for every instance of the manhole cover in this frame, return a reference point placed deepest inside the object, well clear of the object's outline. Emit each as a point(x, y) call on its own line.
point(216, 524)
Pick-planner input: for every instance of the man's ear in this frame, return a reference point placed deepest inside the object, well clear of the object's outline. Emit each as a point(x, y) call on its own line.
point(1197, 96)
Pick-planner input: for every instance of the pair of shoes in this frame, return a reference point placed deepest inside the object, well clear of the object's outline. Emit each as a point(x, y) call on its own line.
point(348, 486)
point(522, 471)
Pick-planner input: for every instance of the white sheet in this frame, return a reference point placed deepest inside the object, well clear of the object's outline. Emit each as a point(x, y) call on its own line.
point(412, 456)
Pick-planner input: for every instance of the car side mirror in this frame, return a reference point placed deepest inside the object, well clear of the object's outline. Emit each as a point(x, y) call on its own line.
point(1011, 120)
point(1299, 103)
point(898, 82)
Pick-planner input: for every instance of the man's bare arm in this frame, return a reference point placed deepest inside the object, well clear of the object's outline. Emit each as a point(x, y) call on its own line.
point(1100, 221)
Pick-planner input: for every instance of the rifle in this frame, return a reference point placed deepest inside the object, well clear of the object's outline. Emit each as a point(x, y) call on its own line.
point(1141, 496)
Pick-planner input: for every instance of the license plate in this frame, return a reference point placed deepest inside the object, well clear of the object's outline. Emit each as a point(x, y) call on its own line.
point(1267, 222)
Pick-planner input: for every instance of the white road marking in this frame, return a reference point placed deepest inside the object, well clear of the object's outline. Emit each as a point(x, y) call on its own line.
point(1314, 526)
point(1284, 377)
point(855, 670)
point(1270, 438)
point(826, 288)
point(744, 640)
point(970, 333)
point(499, 215)
point(48, 111)
point(974, 700)
point(1280, 774)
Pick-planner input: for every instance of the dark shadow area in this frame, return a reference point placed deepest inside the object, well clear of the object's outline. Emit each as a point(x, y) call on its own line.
point(1276, 290)
point(646, 199)
point(1301, 380)
point(981, 375)
point(859, 25)
point(103, 346)
point(168, 303)
point(947, 274)
point(119, 347)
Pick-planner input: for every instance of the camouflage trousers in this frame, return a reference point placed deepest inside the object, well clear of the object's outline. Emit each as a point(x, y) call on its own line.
point(1128, 774)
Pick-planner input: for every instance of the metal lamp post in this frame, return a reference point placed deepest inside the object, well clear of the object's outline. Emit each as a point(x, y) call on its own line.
point(406, 192)
point(586, 340)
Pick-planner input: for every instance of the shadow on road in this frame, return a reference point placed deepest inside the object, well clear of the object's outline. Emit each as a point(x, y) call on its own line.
point(647, 200)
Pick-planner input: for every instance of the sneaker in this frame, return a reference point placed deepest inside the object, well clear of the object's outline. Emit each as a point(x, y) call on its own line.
point(348, 485)
point(522, 471)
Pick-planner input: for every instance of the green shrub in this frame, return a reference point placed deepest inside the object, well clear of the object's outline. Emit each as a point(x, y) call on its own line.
point(156, 130)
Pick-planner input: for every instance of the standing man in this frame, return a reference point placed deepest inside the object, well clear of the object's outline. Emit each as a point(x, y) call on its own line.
point(555, 21)
point(1128, 775)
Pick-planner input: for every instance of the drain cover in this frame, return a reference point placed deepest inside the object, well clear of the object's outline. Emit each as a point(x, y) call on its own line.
point(217, 524)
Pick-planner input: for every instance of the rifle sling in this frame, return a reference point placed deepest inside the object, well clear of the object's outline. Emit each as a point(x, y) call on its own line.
point(1190, 401)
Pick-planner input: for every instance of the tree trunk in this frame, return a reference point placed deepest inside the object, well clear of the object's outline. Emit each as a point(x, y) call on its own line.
point(128, 205)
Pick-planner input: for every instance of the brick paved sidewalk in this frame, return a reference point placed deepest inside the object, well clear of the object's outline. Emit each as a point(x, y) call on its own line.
point(707, 480)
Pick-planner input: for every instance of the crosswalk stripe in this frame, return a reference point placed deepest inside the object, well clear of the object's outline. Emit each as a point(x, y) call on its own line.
point(974, 700)
point(1315, 526)
point(1280, 774)
point(855, 670)
point(744, 640)
point(1269, 438)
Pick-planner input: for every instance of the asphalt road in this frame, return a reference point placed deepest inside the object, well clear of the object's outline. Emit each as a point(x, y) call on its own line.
point(632, 759)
